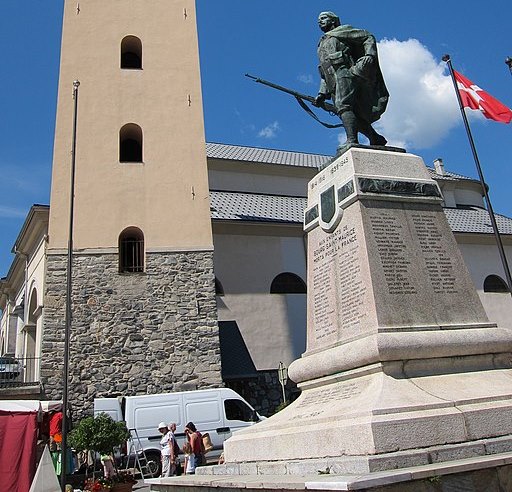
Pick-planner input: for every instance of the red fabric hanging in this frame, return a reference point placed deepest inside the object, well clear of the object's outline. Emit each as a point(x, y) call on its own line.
point(18, 438)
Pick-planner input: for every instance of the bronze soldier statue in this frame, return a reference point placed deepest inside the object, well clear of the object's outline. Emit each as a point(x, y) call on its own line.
point(351, 77)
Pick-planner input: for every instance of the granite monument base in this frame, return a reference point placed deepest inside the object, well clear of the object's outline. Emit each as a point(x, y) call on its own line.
point(401, 357)
point(384, 416)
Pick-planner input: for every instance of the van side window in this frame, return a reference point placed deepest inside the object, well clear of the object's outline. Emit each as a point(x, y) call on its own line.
point(238, 410)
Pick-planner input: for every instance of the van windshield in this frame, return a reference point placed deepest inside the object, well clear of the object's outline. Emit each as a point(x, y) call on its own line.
point(238, 410)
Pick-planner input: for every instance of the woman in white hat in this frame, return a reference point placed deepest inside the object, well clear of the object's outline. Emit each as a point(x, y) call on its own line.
point(166, 443)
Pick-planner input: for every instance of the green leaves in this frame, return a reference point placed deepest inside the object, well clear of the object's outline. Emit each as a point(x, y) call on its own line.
point(98, 434)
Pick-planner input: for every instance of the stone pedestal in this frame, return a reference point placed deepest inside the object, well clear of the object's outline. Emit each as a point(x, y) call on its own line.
point(402, 366)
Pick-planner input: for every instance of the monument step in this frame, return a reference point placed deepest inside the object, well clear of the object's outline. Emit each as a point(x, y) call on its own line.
point(464, 470)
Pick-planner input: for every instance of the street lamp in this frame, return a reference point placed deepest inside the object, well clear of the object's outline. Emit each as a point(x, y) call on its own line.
point(67, 327)
point(508, 61)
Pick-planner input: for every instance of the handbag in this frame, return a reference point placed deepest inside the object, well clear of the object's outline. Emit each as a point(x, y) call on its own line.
point(207, 443)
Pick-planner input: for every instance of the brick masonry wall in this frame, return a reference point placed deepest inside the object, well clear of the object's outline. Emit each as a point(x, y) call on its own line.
point(131, 333)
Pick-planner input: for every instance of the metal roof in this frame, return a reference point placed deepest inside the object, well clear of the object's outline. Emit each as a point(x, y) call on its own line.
point(264, 156)
point(448, 176)
point(252, 207)
point(290, 158)
point(476, 220)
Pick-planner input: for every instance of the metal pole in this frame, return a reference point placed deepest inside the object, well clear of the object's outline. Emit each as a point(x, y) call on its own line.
point(497, 234)
point(67, 329)
point(508, 61)
point(284, 393)
point(282, 372)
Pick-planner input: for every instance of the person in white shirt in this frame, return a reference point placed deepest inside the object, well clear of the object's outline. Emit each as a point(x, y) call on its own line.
point(167, 446)
point(190, 461)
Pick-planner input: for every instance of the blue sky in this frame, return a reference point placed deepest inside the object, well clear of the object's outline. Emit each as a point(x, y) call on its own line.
point(276, 41)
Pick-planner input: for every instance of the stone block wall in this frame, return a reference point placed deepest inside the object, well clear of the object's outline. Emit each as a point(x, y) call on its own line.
point(131, 334)
point(264, 392)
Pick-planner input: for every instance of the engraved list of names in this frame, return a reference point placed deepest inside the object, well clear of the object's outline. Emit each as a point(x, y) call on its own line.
point(336, 274)
point(394, 257)
point(439, 265)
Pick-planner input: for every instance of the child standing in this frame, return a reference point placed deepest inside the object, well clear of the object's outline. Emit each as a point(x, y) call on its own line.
point(190, 460)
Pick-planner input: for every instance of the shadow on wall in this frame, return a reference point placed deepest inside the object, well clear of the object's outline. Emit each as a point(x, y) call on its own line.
point(235, 357)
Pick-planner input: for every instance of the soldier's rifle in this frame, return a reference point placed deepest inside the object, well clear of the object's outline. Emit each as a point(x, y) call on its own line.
point(300, 99)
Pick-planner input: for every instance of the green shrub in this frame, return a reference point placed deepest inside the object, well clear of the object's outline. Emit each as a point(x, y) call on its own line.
point(98, 434)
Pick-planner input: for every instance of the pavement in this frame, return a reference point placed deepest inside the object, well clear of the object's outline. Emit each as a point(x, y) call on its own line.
point(140, 487)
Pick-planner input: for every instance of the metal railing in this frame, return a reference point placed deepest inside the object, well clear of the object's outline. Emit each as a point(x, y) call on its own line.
point(18, 371)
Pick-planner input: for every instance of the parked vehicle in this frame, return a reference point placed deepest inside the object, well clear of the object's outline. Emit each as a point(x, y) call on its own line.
point(220, 412)
point(10, 368)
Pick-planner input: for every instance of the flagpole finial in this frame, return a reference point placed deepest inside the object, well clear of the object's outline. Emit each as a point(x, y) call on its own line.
point(446, 58)
point(508, 61)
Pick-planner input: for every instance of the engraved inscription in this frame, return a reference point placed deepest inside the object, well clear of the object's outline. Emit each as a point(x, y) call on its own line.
point(323, 287)
point(438, 262)
point(338, 250)
point(394, 257)
point(352, 287)
point(333, 169)
point(325, 398)
point(329, 395)
point(318, 181)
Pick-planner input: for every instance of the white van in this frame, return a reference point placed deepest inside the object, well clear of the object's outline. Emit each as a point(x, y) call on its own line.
point(219, 412)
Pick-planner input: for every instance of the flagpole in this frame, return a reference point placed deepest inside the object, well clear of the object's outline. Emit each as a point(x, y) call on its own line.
point(497, 235)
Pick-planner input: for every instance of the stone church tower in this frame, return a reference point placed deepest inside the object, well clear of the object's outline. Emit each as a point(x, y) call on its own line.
point(144, 312)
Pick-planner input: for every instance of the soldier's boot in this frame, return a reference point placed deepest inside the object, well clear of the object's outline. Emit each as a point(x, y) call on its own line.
point(368, 131)
point(350, 123)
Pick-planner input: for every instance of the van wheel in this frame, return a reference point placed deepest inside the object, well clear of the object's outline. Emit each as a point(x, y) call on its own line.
point(154, 464)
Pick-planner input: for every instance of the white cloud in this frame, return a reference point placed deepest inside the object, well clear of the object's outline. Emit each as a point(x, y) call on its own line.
point(244, 126)
point(270, 131)
point(12, 213)
point(422, 107)
point(306, 78)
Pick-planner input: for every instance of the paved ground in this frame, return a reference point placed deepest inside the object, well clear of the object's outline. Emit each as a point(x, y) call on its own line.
point(140, 487)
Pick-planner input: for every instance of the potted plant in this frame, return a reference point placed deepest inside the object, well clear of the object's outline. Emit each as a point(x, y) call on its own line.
point(120, 482)
point(101, 434)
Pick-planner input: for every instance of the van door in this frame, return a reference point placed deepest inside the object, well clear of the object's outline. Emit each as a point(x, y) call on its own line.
point(204, 410)
point(144, 414)
point(110, 406)
point(237, 414)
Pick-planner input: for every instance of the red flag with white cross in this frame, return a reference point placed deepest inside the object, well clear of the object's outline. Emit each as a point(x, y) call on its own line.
point(474, 97)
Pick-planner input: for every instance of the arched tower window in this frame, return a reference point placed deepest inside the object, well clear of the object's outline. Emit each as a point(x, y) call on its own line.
point(130, 143)
point(131, 251)
point(131, 52)
point(494, 283)
point(288, 283)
